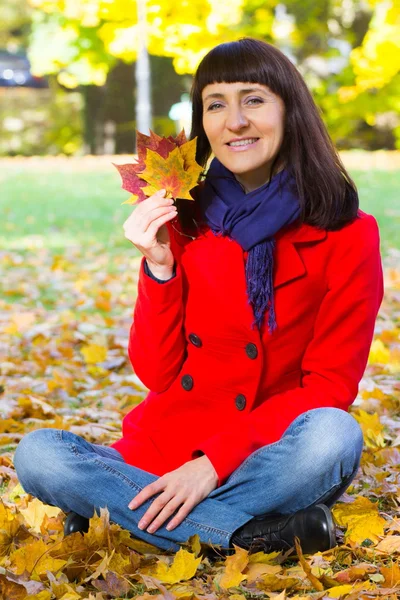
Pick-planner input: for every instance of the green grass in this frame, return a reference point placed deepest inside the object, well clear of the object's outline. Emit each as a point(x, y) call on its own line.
point(52, 207)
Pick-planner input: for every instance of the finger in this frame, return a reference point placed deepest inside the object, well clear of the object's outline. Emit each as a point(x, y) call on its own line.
point(155, 214)
point(165, 514)
point(154, 510)
point(157, 199)
point(156, 224)
point(145, 237)
point(146, 493)
point(181, 515)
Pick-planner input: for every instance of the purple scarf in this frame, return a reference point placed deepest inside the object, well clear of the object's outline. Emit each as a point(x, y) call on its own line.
point(251, 220)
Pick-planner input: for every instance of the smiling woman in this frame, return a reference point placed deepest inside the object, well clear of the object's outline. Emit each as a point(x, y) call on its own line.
point(252, 326)
point(245, 129)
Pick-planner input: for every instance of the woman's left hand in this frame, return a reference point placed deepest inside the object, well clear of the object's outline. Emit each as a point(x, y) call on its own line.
point(185, 488)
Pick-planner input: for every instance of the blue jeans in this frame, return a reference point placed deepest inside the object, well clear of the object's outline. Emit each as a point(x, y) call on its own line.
point(314, 462)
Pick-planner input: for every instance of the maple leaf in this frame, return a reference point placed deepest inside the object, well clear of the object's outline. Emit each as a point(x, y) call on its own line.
point(234, 567)
point(35, 559)
point(170, 174)
point(184, 567)
point(131, 182)
point(361, 519)
point(36, 512)
point(163, 163)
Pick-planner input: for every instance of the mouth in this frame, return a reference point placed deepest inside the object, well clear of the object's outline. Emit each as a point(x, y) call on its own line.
point(242, 144)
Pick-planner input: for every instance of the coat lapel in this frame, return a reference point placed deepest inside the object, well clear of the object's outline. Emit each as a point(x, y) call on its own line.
point(288, 262)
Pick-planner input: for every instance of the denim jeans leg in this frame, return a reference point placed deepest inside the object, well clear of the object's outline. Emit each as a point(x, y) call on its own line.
point(314, 462)
point(63, 469)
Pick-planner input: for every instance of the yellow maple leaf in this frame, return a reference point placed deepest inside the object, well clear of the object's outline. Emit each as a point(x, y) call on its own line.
point(9, 526)
point(378, 353)
point(371, 427)
point(36, 512)
point(340, 591)
point(234, 567)
point(184, 567)
point(170, 174)
point(361, 519)
point(35, 559)
point(94, 353)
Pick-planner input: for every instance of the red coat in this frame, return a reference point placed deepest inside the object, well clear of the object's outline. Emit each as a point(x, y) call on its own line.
point(220, 387)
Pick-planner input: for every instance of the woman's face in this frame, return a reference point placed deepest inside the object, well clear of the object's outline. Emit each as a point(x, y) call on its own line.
point(248, 112)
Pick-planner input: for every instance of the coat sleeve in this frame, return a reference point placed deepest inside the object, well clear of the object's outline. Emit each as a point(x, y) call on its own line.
point(335, 358)
point(157, 346)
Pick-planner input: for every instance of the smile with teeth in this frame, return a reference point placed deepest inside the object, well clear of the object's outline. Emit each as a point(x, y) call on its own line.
point(243, 142)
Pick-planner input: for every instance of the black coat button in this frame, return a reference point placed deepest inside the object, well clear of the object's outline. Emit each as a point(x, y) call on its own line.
point(187, 382)
point(196, 341)
point(240, 402)
point(251, 350)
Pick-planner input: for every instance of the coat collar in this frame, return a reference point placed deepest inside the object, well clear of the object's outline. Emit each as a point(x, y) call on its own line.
point(288, 262)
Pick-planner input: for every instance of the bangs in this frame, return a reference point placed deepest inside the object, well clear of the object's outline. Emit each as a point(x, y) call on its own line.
point(237, 61)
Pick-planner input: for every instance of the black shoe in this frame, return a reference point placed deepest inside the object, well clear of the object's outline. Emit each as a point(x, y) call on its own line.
point(75, 522)
point(313, 526)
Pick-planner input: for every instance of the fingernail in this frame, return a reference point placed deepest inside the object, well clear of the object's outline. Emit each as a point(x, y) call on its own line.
point(169, 527)
point(142, 524)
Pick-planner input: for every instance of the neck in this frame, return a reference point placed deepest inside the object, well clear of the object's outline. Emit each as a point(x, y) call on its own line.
point(250, 185)
point(254, 180)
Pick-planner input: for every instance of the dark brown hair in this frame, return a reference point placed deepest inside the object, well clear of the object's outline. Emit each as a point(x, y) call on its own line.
point(327, 195)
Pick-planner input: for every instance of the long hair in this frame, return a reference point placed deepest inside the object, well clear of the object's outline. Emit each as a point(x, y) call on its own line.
point(328, 196)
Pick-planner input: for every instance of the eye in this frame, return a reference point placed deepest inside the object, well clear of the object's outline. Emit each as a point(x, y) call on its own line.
point(258, 100)
point(214, 105)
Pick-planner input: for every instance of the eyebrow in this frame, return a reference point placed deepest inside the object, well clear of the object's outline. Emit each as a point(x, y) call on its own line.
point(242, 91)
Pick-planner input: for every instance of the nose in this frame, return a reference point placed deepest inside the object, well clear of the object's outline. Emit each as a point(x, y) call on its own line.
point(236, 119)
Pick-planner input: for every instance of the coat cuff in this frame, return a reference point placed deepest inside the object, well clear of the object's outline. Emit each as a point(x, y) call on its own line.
point(150, 289)
point(226, 451)
point(150, 274)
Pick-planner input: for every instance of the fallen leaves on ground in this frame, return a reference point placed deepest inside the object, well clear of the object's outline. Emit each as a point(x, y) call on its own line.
point(64, 323)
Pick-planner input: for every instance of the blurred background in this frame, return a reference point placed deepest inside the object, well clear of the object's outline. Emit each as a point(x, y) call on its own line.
point(79, 77)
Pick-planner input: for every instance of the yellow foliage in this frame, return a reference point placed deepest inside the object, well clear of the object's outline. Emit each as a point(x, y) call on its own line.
point(234, 567)
point(361, 519)
point(390, 544)
point(35, 559)
point(9, 525)
point(371, 427)
point(378, 353)
point(94, 353)
point(36, 512)
point(170, 174)
point(184, 567)
point(20, 322)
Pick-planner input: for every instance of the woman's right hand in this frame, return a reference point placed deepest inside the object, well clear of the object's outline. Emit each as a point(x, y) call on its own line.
point(146, 229)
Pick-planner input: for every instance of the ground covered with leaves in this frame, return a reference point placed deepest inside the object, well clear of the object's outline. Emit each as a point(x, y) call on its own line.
point(64, 322)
